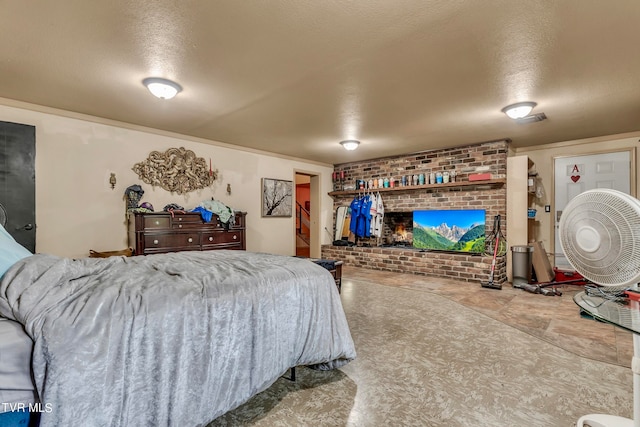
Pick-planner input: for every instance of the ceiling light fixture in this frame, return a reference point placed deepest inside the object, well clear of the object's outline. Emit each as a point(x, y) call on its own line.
point(350, 144)
point(519, 110)
point(162, 88)
point(532, 118)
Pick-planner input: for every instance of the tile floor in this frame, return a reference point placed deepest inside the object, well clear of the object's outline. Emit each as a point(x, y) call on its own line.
point(423, 360)
point(555, 319)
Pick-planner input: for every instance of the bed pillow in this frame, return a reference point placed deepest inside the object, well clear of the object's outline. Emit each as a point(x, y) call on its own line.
point(10, 251)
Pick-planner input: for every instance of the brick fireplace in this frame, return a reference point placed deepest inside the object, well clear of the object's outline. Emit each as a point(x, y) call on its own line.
point(393, 252)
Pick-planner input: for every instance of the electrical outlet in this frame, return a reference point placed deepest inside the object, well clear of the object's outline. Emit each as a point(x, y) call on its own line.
point(547, 208)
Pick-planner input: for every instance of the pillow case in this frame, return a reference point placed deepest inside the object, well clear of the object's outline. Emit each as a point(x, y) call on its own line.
point(10, 251)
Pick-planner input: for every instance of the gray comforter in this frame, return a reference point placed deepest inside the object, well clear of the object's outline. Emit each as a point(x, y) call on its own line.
point(173, 339)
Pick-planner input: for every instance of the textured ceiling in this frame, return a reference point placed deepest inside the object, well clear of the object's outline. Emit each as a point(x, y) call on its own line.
point(296, 77)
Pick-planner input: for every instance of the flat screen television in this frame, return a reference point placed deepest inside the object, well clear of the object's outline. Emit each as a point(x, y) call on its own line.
point(454, 230)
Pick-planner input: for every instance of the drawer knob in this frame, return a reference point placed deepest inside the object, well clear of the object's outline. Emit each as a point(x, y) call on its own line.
point(179, 219)
point(157, 222)
point(155, 242)
point(190, 240)
point(210, 239)
point(235, 237)
point(179, 225)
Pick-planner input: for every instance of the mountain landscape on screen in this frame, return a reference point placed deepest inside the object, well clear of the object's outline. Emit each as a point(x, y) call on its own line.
point(449, 230)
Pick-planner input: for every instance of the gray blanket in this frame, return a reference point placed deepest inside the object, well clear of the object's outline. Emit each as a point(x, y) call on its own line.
point(173, 339)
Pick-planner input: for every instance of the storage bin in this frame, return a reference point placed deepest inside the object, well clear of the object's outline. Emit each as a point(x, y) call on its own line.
point(522, 264)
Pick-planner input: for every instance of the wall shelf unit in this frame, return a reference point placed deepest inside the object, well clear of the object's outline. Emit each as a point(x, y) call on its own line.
point(520, 175)
point(494, 183)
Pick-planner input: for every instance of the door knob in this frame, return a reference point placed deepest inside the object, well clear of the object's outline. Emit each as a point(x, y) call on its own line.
point(25, 227)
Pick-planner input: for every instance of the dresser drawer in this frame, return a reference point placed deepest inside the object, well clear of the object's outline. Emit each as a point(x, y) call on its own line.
point(186, 221)
point(155, 222)
point(172, 240)
point(222, 237)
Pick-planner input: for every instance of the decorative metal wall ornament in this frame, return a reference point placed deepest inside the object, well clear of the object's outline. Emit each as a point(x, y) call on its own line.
point(176, 170)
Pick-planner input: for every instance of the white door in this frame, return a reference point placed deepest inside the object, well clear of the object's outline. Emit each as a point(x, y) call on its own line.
point(574, 175)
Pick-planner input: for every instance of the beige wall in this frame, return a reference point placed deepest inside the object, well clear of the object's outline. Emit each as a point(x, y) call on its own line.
point(543, 157)
point(76, 210)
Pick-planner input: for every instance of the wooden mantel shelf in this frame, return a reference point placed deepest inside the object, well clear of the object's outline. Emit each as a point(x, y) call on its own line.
point(499, 182)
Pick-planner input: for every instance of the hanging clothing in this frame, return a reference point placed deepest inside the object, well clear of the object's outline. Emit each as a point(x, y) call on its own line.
point(373, 213)
point(355, 209)
point(379, 220)
point(366, 216)
point(360, 224)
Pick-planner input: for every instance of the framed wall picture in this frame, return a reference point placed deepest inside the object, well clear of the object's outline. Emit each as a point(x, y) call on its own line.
point(277, 197)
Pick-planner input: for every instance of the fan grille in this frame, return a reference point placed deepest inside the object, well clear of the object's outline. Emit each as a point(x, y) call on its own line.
point(600, 236)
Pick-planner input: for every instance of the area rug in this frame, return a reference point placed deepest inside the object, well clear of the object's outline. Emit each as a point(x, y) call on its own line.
point(424, 360)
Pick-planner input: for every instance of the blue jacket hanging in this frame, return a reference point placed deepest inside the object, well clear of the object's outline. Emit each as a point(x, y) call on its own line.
point(360, 216)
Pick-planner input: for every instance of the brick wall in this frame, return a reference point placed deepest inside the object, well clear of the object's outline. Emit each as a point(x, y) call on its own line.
point(488, 157)
point(468, 268)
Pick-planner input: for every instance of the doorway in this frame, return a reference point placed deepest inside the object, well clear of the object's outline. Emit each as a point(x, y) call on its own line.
point(17, 182)
point(576, 174)
point(303, 215)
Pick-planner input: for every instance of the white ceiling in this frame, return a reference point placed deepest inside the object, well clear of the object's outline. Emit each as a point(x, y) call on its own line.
point(295, 77)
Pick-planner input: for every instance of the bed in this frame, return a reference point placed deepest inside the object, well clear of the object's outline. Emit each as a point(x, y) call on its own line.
point(173, 339)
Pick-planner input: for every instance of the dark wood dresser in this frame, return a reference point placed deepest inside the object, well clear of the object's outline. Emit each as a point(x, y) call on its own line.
point(159, 232)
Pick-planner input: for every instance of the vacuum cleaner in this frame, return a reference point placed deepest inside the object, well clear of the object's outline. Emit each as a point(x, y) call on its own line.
point(496, 239)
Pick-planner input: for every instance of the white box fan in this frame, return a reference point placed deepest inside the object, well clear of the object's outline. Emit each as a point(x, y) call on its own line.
point(600, 236)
